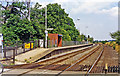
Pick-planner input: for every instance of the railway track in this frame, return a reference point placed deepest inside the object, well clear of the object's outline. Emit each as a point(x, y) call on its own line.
point(52, 60)
point(87, 68)
point(54, 63)
point(110, 56)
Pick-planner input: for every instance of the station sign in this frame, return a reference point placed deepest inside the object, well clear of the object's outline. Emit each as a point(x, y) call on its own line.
point(27, 46)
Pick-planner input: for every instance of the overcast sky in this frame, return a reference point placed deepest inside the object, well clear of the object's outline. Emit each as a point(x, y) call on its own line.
point(97, 17)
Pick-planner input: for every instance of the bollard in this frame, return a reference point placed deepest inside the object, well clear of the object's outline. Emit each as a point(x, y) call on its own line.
point(106, 68)
point(113, 69)
point(118, 69)
point(103, 69)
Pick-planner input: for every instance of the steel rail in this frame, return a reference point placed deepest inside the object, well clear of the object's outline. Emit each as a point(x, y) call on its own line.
point(77, 62)
point(70, 54)
point(95, 62)
point(54, 62)
point(51, 63)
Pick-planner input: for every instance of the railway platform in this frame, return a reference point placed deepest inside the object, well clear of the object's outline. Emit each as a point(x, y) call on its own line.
point(38, 53)
point(31, 55)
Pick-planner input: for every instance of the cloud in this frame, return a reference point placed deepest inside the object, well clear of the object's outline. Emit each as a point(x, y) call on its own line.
point(85, 6)
point(85, 1)
point(92, 7)
point(113, 11)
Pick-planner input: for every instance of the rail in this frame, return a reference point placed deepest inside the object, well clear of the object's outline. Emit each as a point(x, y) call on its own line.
point(95, 62)
point(37, 65)
point(76, 62)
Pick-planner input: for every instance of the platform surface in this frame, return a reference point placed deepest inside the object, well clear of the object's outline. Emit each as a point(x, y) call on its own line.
point(33, 55)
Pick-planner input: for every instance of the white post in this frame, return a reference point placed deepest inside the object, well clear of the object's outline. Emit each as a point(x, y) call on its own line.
point(86, 33)
point(46, 32)
point(28, 5)
point(2, 45)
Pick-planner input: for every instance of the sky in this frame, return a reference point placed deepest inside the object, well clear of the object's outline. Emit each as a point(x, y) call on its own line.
point(97, 17)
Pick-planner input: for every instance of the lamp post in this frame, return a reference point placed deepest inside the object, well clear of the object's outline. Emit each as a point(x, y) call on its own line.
point(46, 29)
point(86, 32)
point(28, 6)
point(77, 22)
point(46, 32)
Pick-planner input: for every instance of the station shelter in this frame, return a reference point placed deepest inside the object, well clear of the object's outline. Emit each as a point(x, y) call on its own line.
point(55, 40)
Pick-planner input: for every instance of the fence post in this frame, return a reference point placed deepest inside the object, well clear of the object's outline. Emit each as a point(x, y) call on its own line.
point(35, 44)
point(30, 45)
point(14, 55)
point(38, 43)
point(5, 52)
point(23, 47)
point(16, 47)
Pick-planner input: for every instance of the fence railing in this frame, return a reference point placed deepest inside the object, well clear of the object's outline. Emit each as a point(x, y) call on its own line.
point(52, 43)
point(70, 43)
point(11, 52)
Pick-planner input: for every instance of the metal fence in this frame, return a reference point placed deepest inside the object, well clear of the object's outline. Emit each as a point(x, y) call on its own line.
point(11, 52)
point(70, 43)
point(52, 43)
point(18, 48)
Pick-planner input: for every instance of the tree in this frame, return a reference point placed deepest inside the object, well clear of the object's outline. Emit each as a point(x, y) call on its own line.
point(16, 26)
point(90, 39)
point(56, 19)
point(116, 35)
point(83, 37)
point(62, 24)
point(38, 21)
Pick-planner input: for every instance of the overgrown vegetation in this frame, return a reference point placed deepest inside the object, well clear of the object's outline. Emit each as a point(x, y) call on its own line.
point(116, 35)
point(16, 26)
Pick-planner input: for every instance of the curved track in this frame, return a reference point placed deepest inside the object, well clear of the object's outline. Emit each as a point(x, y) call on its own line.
point(53, 63)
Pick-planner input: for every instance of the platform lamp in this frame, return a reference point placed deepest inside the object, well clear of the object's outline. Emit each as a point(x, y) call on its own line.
point(86, 27)
point(46, 29)
point(78, 19)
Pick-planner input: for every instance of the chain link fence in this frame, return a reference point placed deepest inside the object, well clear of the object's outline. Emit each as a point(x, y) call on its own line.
point(70, 43)
point(52, 43)
point(19, 48)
